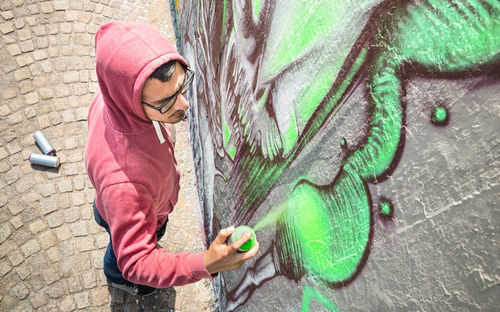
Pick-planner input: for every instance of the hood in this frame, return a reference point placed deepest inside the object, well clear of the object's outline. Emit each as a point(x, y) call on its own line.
point(126, 54)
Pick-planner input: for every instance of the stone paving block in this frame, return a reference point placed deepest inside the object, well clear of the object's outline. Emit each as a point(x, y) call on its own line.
point(102, 240)
point(99, 296)
point(78, 181)
point(61, 5)
point(5, 232)
point(24, 34)
point(47, 7)
point(97, 258)
point(14, 49)
point(62, 90)
point(63, 233)
point(16, 221)
point(66, 303)
point(51, 275)
point(15, 257)
point(46, 189)
point(22, 74)
point(37, 226)
point(56, 290)
point(38, 299)
point(19, 23)
point(64, 186)
point(54, 254)
point(71, 169)
point(3, 199)
point(55, 219)
point(55, 118)
point(85, 243)
point(82, 300)
point(48, 205)
point(9, 93)
point(42, 42)
point(36, 281)
point(11, 176)
point(46, 65)
point(92, 226)
point(30, 247)
point(4, 267)
point(39, 30)
point(20, 291)
point(78, 198)
point(74, 283)
point(24, 60)
point(7, 15)
point(86, 212)
point(15, 118)
point(27, 46)
point(63, 201)
point(30, 112)
point(6, 27)
point(23, 271)
point(40, 54)
point(24, 184)
point(6, 247)
point(81, 260)
point(89, 279)
point(27, 86)
point(43, 122)
point(4, 110)
point(79, 229)
point(47, 239)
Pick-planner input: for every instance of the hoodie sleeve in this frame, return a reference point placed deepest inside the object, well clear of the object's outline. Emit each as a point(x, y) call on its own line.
point(129, 212)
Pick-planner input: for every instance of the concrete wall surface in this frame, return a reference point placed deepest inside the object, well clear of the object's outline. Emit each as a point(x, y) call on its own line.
point(360, 140)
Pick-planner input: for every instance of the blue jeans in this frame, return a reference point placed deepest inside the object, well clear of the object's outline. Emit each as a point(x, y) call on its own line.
point(111, 270)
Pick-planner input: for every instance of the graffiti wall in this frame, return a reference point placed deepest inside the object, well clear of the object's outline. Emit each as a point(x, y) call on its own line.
point(359, 138)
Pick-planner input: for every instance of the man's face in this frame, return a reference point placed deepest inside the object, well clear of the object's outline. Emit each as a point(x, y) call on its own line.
point(155, 92)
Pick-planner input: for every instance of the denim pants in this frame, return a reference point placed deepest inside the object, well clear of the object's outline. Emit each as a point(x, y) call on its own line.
point(111, 270)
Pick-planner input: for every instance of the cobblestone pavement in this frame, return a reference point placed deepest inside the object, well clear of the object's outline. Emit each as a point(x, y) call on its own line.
point(51, 249)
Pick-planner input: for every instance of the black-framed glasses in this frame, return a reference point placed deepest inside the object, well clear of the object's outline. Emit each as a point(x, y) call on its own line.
point(167, 104)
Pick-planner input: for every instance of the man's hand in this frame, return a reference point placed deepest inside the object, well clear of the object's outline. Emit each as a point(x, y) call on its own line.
point(222, 257)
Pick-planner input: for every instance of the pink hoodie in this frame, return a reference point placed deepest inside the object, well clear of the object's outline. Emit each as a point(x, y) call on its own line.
point(135, 176)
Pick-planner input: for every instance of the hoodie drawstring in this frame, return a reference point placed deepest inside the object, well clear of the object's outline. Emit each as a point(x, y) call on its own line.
point(159, 134)
point(158, 131)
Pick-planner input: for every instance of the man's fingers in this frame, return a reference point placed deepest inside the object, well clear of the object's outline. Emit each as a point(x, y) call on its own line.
point(224, 234)
point(242, 240)
point(252, 252)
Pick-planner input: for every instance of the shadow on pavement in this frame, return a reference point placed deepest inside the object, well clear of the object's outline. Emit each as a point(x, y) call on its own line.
point(162, 300)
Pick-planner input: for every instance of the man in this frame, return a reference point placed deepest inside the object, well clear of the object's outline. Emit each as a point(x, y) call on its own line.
point(130, 160)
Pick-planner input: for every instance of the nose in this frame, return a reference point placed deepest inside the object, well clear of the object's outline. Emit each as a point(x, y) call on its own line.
point(181, 103)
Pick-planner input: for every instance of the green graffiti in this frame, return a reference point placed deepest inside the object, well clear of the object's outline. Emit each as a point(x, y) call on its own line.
point(309, 294)
point(256, 4)
point(439, 115)
point(385, 209)
point(343, 142)
point(325, 229)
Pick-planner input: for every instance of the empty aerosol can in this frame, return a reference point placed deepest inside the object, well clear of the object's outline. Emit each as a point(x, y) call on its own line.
point(44, 144)
point(238, 233)
point(44, 160)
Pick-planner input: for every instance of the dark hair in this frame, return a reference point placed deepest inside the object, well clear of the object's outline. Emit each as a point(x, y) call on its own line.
point(165, 72)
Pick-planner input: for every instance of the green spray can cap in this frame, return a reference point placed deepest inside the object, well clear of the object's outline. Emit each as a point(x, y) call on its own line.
point(238, 233)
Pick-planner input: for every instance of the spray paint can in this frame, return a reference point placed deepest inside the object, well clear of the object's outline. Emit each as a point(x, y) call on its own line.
point(44, 160)
point(44, 144)
point(238, 233)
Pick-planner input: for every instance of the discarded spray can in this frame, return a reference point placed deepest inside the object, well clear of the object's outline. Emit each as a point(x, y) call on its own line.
point(44, 160)
point(44, 143)
point(238, 233)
